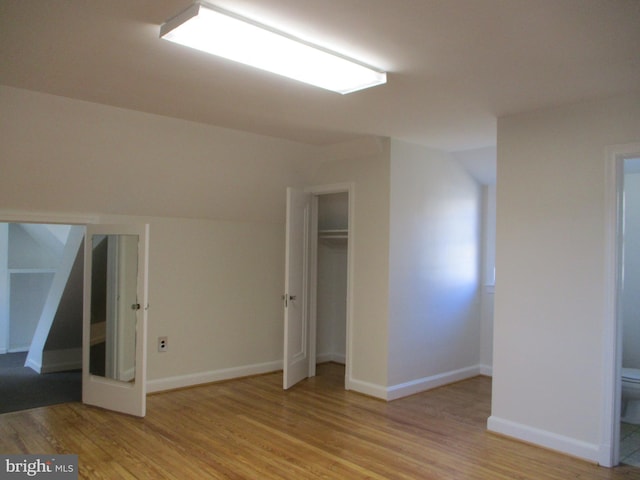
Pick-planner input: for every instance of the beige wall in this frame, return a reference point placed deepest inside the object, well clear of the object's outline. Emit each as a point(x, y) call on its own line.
point(64, 155)
point(368, 167)
point(215, 201)
point(214, 291)
point(550, 271)
point(435, 267)
point(215, 277)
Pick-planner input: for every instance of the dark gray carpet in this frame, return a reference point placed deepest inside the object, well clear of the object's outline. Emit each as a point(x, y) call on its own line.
point(21, 388)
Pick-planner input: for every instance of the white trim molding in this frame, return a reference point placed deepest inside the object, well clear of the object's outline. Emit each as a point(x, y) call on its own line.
point(366, 388)
point(17, 216)
point(427, 383)
point(544, 438)
point(401, 390)
point(614, 157)
point(192, 379)
point(331, 357)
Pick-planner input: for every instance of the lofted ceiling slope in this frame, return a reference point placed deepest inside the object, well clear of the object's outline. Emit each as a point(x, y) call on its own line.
point(454, 65)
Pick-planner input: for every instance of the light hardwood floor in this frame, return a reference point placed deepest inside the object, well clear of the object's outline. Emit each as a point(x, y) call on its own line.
point(251, 429)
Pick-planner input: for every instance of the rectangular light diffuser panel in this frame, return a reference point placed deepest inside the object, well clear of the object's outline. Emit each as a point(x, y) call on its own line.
point(227, 35)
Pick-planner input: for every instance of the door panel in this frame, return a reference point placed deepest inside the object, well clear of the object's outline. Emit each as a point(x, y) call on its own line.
point(296, 334)
point(115, 317)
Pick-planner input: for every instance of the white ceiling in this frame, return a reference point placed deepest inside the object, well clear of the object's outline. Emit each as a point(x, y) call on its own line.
point(454, 65)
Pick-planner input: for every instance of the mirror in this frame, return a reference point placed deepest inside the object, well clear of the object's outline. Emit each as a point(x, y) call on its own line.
point(114, 306)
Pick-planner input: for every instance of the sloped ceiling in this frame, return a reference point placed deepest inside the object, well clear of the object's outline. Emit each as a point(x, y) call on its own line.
point(454, 65)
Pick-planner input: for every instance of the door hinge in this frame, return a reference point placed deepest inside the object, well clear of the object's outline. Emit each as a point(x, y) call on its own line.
point(288, 298)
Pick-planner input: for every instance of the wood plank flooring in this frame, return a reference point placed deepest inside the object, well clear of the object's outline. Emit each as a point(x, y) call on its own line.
point(251, 429)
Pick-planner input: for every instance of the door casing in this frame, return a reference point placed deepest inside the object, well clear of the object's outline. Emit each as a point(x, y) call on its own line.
point(615, 156)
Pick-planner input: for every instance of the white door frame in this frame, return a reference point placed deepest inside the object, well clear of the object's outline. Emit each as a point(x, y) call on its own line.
point(4, 289)
point(7, 216)
point(315, 191)
point(615, 156)
point(103, 390)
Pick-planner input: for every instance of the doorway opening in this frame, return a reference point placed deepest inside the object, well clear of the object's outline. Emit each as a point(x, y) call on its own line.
point(615, 159)
point(41, 275)
point(629, 313)
point(53, 348)
point(318, 281)
point(330, 253)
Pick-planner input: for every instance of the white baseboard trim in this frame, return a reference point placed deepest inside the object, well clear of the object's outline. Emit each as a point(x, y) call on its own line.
point(427, 383)
point(61, 360)
point(331, 357)
point(18, 349)
point(605, 456)
point(366, 388)
point(486, 370)
point(36, 367)
point(3, 351)
point(544, 438)
point(416, 386)
point(180, 381)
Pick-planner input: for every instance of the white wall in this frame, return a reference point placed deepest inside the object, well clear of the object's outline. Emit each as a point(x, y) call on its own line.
point(631, 290)
point(331, 302)
point(28, 293)
point(26, 253)
point(367, 166)
point(215, 277)
point(434, 274)
point(31, 271)
point(63, 155)
point(332, 263)
point(550, 288)
point(4, 288)
point(214, 291)
point(215, 200)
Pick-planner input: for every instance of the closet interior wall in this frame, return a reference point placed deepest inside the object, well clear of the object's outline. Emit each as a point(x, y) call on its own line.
point(333, 219)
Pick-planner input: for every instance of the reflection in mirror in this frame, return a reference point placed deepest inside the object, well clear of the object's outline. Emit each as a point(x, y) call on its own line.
point(114, 275)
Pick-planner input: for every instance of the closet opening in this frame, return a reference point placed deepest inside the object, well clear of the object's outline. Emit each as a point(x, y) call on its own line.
point(629, 312)
point(329, 285)
point(318, 282)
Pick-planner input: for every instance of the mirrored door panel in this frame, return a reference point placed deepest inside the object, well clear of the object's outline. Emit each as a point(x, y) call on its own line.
point(115, 315)
point(114, 306)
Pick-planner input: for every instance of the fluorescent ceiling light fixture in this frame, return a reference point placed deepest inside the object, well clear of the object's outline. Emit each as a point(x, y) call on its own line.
point(218, 32)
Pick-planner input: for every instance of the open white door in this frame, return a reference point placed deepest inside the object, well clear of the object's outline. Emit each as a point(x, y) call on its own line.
point(296, 330)
point(114, 335)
